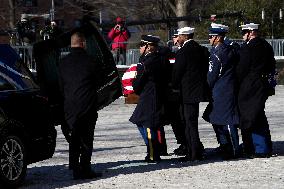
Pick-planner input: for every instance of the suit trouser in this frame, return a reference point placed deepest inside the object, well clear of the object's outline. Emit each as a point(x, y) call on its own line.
point(66, 131)
point(258, 139)
point(191, 113)
point(176, 121)
point(81, 144)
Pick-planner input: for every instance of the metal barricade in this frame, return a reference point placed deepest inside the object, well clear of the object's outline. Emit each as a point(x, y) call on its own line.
point(26, 54)
point(124, 56)
point(277, 45)
point(132, 55)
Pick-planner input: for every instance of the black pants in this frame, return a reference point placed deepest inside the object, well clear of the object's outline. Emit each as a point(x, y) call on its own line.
point(81, 144)
point(66, 131)
point(174, 115)
point(257, 139)
point(194, 146)
point(119, 56)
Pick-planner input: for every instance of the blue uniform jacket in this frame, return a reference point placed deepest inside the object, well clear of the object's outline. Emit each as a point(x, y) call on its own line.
point(221, 79)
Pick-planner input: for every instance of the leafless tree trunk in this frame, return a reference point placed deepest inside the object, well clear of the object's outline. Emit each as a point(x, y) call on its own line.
point(182, 10)
point(12, 13)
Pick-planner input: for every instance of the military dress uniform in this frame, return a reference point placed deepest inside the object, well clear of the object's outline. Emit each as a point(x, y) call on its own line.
point(223, 112)
point(256, 63)
point(189, 76)
point(173, 108)
point(150, 85)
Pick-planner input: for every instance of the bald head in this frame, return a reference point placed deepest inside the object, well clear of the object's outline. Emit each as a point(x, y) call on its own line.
point(78, 40)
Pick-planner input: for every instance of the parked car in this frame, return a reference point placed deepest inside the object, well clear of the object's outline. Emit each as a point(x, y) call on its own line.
point(31, 107)
point(27, 134)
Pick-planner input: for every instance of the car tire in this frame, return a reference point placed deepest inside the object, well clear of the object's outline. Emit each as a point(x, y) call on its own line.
point(13, 166)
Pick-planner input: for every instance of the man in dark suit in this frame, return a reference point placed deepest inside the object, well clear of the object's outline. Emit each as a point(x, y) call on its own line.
point(173, 101)
point(77, 73)
point(256, 64)
point(190, 77)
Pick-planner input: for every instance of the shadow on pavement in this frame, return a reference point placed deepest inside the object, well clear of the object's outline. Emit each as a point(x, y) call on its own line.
point(58, 176)
point(101, 149)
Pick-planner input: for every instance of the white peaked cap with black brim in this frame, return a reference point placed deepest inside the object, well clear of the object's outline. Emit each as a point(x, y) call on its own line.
point(185, 31)
point(250, 26)
point(218, 29)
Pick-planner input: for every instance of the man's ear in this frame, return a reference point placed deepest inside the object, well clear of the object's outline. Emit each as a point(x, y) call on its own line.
point(218, 38)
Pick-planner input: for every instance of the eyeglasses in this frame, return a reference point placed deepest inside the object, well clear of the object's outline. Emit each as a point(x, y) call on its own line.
point(211, 36)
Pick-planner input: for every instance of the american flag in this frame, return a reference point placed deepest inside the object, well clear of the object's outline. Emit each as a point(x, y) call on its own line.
point(127, 79)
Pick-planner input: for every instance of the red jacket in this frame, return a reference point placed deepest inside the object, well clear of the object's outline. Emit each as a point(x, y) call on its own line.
point(119, 38)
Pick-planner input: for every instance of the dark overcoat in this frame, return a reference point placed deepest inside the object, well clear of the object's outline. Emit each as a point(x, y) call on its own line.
point(190, 73)
point(150, 85)
point(222, 80)
point(256, 62)
point(77, 75)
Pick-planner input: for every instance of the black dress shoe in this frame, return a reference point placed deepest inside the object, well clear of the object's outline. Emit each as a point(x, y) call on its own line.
point(261, 155)
point(70, 167)
point(164, 154)
point(85, 174)
point(198, 158)
point(184, 159)
point(180, 151)
point(155, 160)
point(227, 156)
point(218, 149)
point(226, 151)
point(247, 156)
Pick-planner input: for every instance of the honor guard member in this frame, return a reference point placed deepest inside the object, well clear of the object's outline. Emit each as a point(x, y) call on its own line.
point(150, 84)
point(190, 77)
point(256, 63)
point(173, 109)
point(175, 45)
point(222, 110)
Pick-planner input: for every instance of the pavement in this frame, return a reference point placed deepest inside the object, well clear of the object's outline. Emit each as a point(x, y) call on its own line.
point(119, 151)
